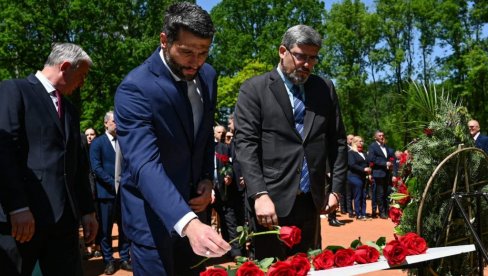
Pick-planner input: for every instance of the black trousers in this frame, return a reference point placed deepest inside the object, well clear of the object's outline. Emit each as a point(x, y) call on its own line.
point(304, 216)
point(56, 247)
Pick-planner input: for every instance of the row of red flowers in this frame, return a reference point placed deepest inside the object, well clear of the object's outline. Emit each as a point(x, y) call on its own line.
point(395, 252)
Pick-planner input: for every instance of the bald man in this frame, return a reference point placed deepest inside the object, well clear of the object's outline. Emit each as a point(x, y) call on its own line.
point(480, 141)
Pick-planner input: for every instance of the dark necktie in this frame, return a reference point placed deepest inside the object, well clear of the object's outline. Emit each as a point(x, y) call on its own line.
point(196, 105)
point(299, 115)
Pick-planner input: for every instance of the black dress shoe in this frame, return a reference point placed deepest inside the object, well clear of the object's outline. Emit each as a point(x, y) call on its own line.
point(351, 215)
point(97, 254)
point(109, 268)
point(383, 216)
point(125, 265)
point(335, 223)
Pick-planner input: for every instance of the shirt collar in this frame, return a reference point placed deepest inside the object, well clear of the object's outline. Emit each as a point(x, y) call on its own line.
point(476, 136)
point(110, 136)
point(45, 82)
point(287, 81)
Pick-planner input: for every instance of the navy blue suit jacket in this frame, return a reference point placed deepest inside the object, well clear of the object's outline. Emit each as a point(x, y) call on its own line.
point(376, 155)
point(163, 162)
point(482, 143)
point(102, 158)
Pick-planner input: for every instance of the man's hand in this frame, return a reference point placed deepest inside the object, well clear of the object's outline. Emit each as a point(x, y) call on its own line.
point(204, 240)
point(227, 180)
point(332, 203)
point(23, 226)
point(90, 227)
point(241, 182)
point(265, 211)
point(200, 203)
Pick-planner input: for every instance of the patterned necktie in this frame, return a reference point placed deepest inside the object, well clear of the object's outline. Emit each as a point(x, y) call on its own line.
point(299, 114)
point(196, 105)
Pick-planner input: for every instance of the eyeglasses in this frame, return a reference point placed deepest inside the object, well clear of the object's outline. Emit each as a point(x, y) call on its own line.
point(471, 126)
point(304, 58)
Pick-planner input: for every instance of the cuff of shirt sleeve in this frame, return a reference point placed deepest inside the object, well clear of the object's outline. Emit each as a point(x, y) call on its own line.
point(183, 222)
point(19, 210)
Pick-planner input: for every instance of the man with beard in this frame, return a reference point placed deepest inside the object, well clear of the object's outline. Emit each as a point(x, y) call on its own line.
point(288, 125)
point(164, 112)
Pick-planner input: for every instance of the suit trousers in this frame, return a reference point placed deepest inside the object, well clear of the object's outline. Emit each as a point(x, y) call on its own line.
point(56, 247)
point(109, 213)
point(381, 194)
point(303, 215)
point(358, 194)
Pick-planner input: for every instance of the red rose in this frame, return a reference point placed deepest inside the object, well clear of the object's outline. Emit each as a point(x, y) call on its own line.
point(403, 158)
point(300, 263)
point(414, 243)
point(214, 272)
point(290, 235)
point(365, 254)
point(395, 215)
point(249, 269)
point(323, 260)
point(371, 164)
point(224, 159)
point(344, 257)
point(281, 268)
point(395, 252)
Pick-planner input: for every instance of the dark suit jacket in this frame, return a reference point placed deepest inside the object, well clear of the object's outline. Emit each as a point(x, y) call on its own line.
point(270, 150)
point(228, 192)
point(482, 143)
point(41, 157)
point(357, 164)
point(376, 155)
point(163, 162)
point(102, 158)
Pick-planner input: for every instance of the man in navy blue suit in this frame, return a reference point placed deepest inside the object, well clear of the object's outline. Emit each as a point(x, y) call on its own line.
point(480, 141)
point(383, 159)
point(164, 111)
point(102, 158)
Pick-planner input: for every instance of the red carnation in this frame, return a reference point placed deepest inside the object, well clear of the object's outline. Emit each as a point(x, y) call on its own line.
point(344, 257)
point(323, 260)
point(281, 268)
point(249, 269)
point(366, 254)
point(300, 263)
point(395, 215)
point(290, 235)
point(395, 252)
point(214, 272)
point(414, 243)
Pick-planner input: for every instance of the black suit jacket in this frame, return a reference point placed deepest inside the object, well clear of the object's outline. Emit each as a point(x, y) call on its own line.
point(270, 150)
point(41, 158)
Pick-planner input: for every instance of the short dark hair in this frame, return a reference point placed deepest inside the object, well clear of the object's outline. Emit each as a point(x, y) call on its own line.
point(189, 17)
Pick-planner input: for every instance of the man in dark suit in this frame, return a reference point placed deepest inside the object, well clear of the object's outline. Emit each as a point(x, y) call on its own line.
point(102, 157)
point(44, 190)
point(480, 141)
point(383, 159)
point(288, 124)
point(164, 111)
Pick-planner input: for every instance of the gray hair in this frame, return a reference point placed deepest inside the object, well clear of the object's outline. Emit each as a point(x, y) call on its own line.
point(109, 115)
point(69, 52)
point(301, 35)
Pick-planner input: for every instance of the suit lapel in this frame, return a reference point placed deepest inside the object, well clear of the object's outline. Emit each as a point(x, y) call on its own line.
point(278, 89)
point(47, 102)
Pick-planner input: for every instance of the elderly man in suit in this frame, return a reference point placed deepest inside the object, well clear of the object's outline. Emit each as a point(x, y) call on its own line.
point(480, 141)
point(44, 188)
point(102, 157)
point(383, 159)
point(164, 111)
point(288, 124)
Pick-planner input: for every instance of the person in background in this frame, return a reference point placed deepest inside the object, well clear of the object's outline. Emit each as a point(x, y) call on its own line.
point(288, 124)
point(346, 199)
point(383, 158)
point(358, 171)
point(167, 174)
point(45, 190)
point(102, 159)
point(481, 141)
point(228, 137)
point(90, 135)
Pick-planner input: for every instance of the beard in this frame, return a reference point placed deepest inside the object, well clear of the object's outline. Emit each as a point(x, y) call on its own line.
point(177, 68)
point(297, 75)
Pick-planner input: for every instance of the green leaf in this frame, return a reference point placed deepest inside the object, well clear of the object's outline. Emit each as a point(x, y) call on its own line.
point(313, 253)
point(381, 241)
point(356, 243)
point(334, 248)
point(239, 229)
point(266, 262)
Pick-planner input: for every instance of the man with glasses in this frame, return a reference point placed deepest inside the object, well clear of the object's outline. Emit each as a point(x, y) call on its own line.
point(480, 141)
point(288, 125)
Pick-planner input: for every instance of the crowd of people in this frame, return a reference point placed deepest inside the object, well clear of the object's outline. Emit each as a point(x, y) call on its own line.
point(162, 167)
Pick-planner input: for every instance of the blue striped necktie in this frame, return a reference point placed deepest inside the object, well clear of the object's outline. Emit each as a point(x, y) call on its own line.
point(299, 115)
